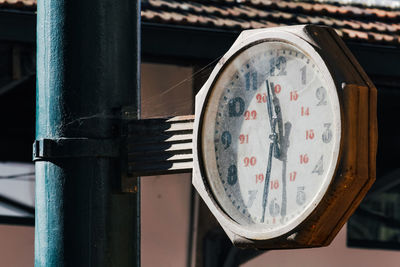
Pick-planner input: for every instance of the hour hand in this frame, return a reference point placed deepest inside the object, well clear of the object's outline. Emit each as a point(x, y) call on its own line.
point(274, 137)
point(269, 107)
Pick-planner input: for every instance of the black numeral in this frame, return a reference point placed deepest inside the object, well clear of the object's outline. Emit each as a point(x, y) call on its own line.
point(319, 168)
point(303, 74)
point(274, 208)
point(278, 64)
point(321, 95)
point(232, 175)
point(236, 107)
point(327, 134)
point(301, 195)
point(251, 83)
point(226, 139)
point(252, 197)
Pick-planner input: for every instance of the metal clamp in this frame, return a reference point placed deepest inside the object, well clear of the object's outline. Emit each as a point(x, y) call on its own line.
point(48, 149)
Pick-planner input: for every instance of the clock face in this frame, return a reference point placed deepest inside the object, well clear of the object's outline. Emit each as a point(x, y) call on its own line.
point(270, 136)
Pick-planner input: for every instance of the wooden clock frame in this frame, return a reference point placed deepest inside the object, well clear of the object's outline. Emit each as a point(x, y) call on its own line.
point(356, 165)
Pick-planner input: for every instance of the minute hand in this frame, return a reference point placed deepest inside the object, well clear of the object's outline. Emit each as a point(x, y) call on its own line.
point(269, 106)
point(272, 121)
point(266, 181)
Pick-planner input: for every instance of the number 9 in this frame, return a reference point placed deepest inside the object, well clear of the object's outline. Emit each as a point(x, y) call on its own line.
point(226, 139)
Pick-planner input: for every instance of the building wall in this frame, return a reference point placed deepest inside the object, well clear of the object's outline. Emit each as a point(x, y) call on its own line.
point(337, 254)
point(165, 200)
point(166, 91)
point(16, 242)
point(16, 246)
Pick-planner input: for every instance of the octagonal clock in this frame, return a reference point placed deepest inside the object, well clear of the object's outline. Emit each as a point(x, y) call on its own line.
point(285, 137)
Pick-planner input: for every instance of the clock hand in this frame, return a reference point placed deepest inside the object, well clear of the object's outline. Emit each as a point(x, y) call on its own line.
point(266, 181)
point(275, 103)
point(284, 148)
point(269, 106)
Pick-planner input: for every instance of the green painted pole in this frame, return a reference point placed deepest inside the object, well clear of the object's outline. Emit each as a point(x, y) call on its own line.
point(87, 70)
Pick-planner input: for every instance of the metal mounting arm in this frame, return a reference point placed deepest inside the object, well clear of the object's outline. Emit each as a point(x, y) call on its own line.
point(160, 146)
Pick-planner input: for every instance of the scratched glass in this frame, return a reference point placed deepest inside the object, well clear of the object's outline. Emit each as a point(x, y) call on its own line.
point(272, 136)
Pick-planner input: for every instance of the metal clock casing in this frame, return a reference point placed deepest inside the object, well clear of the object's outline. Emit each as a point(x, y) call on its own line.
point(350, 176)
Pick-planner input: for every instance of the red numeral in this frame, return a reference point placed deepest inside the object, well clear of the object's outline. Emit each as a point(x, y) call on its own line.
point(292, 176)
point(310, 134)
point(250, 115)
point(274, 184)
point(303, 159)
point(249, 161)
point(305, 111)
point(244, 138)
point(261, 98)
point(294, 96)
point(259, 178)
point(277, 89)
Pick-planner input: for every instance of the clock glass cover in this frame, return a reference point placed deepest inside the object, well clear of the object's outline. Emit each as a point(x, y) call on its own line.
point(270, 136)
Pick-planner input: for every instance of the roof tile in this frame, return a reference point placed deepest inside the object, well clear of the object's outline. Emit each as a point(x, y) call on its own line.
point(259, 12)
point(395, 26)
point(355, 34)
point(357, 23)
point(352, 22)
point(215, 10)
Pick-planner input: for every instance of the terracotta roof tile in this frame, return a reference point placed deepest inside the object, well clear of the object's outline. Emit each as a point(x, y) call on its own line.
point(355, 34)
point(258, 25)
point(376, 25)
point(337, 22)
point(269, 24)
point(244, 11)
point(353, 10)
point(382, 37)
point(258, 12)
point(18, 4)
point(282, 15)
point(381, 13)
point(327, 21)
point(215, 10)
point(352, 22)
point(302, 19)
point(396, 26)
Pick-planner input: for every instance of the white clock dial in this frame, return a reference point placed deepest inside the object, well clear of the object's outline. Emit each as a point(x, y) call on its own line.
point(270, 136)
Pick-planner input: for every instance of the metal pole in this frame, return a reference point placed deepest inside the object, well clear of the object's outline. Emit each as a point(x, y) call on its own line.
point(87, 70)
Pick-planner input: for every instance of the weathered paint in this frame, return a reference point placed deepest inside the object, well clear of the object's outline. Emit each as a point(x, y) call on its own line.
point(87, 70)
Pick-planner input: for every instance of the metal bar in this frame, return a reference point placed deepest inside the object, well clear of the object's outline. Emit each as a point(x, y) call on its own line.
point(16, 220)
point(160, 146)
point(87, 70)
point(49, 149)
point(14, 204)
point(18, 26)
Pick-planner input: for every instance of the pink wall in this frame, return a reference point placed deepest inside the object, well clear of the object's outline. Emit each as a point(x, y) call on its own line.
point(16, 246)
point(166, 203)
point(164, 241)
point(165, 199)
point(337, 254)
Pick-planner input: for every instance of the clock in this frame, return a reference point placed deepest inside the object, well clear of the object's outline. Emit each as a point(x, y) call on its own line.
point(285, 137)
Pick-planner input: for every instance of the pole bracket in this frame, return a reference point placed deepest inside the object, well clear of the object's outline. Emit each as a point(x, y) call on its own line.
point(49, 149)
point(159, 146)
